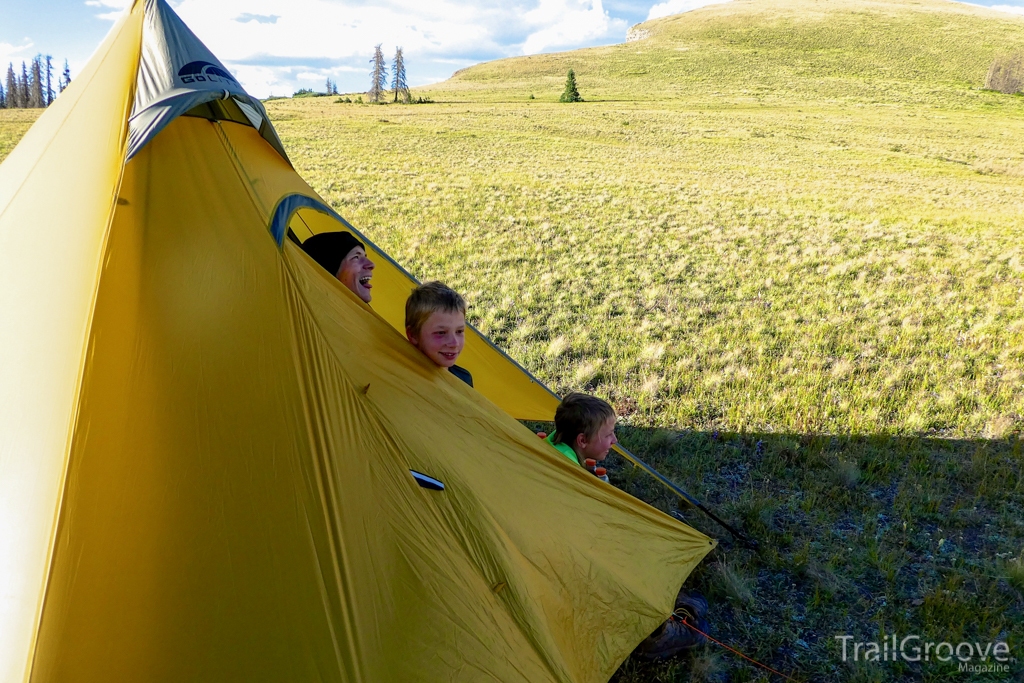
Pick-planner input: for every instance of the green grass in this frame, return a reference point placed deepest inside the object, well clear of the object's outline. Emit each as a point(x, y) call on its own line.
point(13, 124)
point(925, 541)
point(784, 239)
point(798, 269)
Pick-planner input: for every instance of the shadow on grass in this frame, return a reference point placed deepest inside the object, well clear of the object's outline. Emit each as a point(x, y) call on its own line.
point(867, 536)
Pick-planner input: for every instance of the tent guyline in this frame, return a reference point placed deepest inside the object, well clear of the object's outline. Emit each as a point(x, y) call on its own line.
point(686, 620)
point(740, 537)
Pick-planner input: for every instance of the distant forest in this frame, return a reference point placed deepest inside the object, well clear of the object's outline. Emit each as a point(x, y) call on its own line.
point(34, 87)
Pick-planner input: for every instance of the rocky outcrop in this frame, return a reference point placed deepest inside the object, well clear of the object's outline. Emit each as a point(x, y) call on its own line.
point(636, 33)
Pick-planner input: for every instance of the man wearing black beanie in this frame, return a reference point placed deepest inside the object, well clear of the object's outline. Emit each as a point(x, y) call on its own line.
point(342, 255)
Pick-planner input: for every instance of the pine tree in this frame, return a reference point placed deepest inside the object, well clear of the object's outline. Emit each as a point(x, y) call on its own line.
point(570, 94)
point(12, 88)
point(50, 95)
point(3, 97)
point(379, 76)
point(36, 98)
point(398, 82)
point(65, 78)
point(23, 95)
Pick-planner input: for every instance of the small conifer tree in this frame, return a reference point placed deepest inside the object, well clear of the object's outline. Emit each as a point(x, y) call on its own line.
point(50, 95)
point(12, 88)
point(571, 93)
point(36, 96)
point(65, 78)
point(3, 97)
point(23, 84)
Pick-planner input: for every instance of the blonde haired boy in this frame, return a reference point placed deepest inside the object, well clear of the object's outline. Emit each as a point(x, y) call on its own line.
point(435, 323)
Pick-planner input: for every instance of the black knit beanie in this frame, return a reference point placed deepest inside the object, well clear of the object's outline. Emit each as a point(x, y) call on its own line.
point(329, 249)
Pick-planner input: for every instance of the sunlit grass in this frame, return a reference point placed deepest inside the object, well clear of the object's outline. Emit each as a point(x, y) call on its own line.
point(800, 268)
point(13, 125)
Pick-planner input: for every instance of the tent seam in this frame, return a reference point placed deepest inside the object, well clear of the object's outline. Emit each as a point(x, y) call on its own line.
point(340, 565)
point(236, 163)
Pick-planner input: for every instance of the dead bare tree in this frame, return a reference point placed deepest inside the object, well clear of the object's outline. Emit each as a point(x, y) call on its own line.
point(398, 82)
point(379, 76)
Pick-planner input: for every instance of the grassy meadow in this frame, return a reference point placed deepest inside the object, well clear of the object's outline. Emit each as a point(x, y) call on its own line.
point(802, 268)
point(786, 240)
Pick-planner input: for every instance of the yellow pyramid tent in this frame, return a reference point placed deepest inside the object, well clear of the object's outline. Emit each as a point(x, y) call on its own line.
point(217, 464)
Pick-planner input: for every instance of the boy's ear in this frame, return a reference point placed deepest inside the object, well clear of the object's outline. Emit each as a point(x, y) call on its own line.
point(412, 339)
point(581, 441)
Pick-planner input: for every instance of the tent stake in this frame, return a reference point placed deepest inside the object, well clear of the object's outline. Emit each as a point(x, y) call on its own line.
point(740, 537)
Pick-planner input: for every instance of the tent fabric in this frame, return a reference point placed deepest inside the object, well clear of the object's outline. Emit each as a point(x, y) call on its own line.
point(176, 73)
point(495, 374)
point(207, 443)
point(57, 191)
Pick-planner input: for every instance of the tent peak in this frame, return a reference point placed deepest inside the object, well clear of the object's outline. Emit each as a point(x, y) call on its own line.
point(178, 73)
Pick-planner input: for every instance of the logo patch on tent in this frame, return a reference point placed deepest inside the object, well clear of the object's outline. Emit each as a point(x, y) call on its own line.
point(204, 72)
point(427, 482)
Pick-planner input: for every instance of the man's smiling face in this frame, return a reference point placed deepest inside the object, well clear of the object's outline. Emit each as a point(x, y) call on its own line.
point(355, 273)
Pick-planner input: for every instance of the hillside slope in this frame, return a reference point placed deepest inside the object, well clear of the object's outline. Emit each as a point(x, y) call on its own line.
point(770, 49)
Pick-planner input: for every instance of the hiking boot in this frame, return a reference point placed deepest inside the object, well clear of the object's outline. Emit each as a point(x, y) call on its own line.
point(671, 638)
point(691, 603)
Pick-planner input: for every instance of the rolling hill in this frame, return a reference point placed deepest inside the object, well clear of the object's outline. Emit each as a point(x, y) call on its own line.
point(759, 51)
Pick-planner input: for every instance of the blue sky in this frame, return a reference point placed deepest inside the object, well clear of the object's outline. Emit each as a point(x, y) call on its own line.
point(278, 46)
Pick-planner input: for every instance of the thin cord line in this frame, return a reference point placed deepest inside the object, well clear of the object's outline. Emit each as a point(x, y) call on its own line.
point(684, 619)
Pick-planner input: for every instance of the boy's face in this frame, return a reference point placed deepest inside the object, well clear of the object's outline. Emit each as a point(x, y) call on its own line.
point(598, 447)
point(355, 273)
point(442, 337)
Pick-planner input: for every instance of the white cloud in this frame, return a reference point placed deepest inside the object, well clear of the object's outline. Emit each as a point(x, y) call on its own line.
point(664, 9)
point(325, 29)
point(310, 40)
point(1015, 9)
point(277, 46)
point(568, 23)
point(8, 52)
point(118, 7)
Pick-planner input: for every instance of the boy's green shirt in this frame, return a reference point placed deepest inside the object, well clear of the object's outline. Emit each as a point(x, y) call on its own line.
point(564, 448)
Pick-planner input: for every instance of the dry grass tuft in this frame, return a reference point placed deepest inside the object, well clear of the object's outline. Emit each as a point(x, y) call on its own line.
point(735, 585)
point(706, 667)
point(1006, 74)
point(1015, 572)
